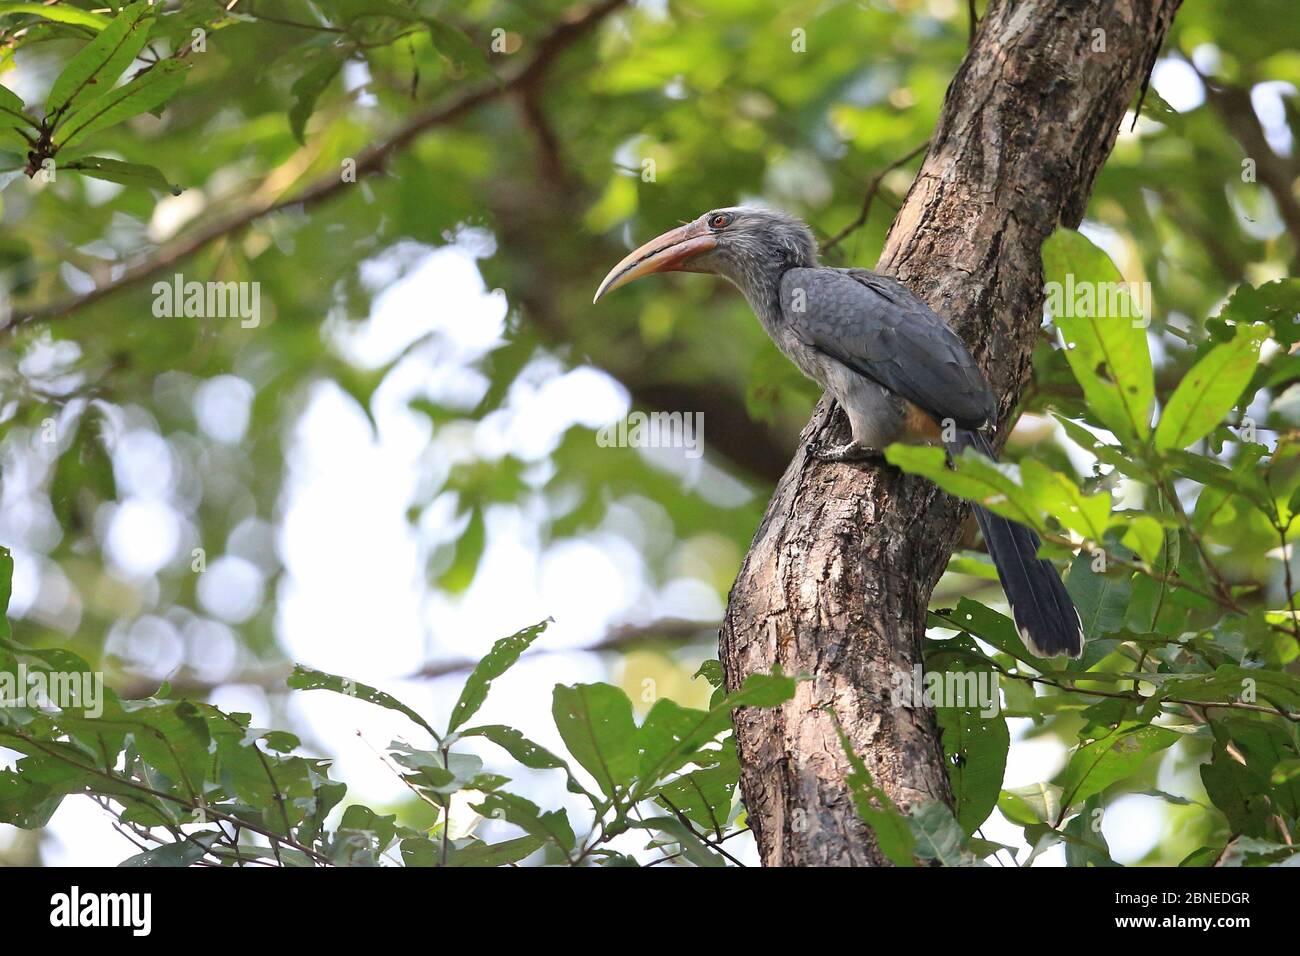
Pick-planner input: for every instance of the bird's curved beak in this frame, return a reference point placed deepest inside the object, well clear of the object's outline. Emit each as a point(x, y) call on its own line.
point(670, 252)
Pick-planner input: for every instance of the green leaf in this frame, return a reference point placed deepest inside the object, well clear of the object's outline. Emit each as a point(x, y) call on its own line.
point(672, 733)
point(895, 834)
point(1286, 770)
point(450, 43)
point(146, 92)
point(128, 174)
point(13, 154)
point(1241, 793)
point(1209, 391)
point(496, 854)
point(1146, 536)
point(1041, 838)
point(989, 626)
point(553, 825)
point(1096, 765)
point(1085, 844)
point(1110, 454)
point(673, 730)
point(26, 803)
point(976, 745)
point(307, 678)
point(500, 659)
point(1060, 496)
point(468, 552)
point(95, 69)
point(1242, 479)
point(442, 774)
point(1204, 856)
point(323, 796)
point(704, 796)
point(1034, 804)
point(173, 739)
point(972, 477)
point(362, 836)
point(938, 836)
point(59, 13)
point(1230, 683)
point(182, 853)
point(13, 116)
point(759, 690)
point(1276, 302)
point(1108, 353)
point(1155, 107)
point(419, 851)
point(307, 90)
point(1101, 599)
point(78, 719)
point(711, 671)
point(259, 780)
point(6, 589)
point(1251, 851)
point(595, 722)
point(1268, 751)
point(693, 848)
point(83, 477)
point(976, 567)
point(458, 49)
point(531, 755)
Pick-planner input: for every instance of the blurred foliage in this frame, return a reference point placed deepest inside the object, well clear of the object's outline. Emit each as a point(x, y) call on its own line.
point(194, 783)
point(640, 118)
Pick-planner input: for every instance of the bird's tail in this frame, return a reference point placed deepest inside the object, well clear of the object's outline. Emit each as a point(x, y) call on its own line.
point(1044, 614)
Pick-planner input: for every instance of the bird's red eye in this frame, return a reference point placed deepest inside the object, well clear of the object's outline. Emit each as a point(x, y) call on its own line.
point(720, 221)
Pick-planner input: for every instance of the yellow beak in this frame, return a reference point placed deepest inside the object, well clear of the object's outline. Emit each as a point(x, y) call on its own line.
point(670, 252)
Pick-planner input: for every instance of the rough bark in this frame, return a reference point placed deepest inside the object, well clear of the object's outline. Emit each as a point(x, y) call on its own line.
point(838, 577)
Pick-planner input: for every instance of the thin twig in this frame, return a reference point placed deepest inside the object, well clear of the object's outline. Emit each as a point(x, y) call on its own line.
point(663, 633)
point(710, 844)
point(684, 821)
point(873, 187)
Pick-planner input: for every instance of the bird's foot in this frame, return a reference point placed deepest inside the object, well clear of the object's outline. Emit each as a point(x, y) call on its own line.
point(848, 452)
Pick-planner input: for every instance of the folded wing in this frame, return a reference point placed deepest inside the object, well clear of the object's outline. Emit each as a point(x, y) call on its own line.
point(878, 328)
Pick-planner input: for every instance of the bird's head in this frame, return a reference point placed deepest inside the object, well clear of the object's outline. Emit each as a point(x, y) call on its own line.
point(745, 244)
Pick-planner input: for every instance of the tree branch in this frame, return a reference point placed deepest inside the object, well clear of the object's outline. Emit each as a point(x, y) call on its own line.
point(668, 632)
point(1275, 172)
point(873, 187)
point(750, 446)
point(373, 160)
point(840, 573)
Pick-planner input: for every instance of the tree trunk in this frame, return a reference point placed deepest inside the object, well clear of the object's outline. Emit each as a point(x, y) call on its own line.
point(840, 572)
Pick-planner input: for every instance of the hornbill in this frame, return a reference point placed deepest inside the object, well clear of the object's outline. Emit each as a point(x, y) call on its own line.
point(893, 365)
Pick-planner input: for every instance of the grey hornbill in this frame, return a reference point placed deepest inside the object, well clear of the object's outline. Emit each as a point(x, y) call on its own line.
point(893, 365)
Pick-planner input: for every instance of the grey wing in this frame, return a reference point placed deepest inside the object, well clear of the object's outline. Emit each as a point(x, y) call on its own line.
point(882, 331)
